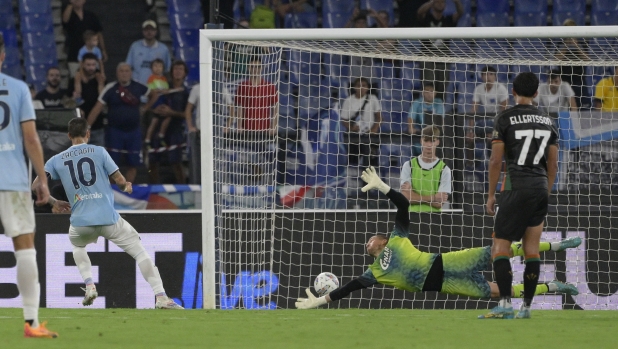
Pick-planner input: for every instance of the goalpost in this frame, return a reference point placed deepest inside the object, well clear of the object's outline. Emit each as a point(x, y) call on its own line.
point(281, 199)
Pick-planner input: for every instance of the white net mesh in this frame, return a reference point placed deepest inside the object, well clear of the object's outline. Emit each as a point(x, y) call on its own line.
point(287, 184)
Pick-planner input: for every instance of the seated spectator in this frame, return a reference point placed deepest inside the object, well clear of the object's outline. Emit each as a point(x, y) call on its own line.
point(52, 96)
point(91, 40)
point(491, 95)
point(75, 21)
point(555, 96)
point(168, 146)
point(606, 93)
point(143, 52)
point(573, 49)
point(360, 115)
point(424, 111)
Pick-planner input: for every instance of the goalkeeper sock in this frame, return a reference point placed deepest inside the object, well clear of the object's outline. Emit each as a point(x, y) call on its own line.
point(531, 278)
point(504, 278)
point(518, 290)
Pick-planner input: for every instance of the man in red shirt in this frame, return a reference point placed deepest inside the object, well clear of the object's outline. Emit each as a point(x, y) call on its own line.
point(255, 102)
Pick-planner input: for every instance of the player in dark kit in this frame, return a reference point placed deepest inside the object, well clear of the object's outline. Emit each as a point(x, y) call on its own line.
point(527, 139)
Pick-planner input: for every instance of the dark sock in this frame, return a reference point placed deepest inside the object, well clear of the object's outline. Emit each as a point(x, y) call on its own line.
point(30, 322)
point(531, 278)
point(504, 276)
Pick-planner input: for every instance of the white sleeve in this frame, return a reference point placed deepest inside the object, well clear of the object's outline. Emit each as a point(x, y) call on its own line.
point(568, 90)
point(375, 104)
point(477, 93)
point(445, 181)
point(405, 173)
point(503, 94)
point(195, 94)
point(345, 110)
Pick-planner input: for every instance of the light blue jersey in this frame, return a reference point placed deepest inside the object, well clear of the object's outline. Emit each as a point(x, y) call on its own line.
point(84, 170)
point(140, 56)
point(15, 108)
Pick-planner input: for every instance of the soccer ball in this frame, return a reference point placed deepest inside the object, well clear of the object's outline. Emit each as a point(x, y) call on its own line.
point(325, 283)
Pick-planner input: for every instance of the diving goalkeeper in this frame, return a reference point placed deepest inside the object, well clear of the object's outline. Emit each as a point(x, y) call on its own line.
point(398, 263)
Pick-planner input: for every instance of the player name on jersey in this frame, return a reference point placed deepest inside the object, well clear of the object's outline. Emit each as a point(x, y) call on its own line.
point(525, 119)
point(76, 152)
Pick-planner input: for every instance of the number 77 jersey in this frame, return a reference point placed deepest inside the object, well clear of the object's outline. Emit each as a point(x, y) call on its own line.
point(527, 134)
point(84, 171)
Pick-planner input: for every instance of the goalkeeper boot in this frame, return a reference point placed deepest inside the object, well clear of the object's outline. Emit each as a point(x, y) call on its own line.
point(499, 312)
point(91, 295)
point(164, 302)
point(523, 313)
point(569, 243)
point(561, 287)
point(38, 332)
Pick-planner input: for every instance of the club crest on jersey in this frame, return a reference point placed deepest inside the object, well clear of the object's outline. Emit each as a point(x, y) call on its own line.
point(385, 261)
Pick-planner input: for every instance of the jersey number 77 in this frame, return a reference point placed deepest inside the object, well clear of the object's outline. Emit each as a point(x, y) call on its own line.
point(528, 135)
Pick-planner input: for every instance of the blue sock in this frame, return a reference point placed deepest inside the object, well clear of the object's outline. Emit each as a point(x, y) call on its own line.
point(162, 294)
point(89, 281)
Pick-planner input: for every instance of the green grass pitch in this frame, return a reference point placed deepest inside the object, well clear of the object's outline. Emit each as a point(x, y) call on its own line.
point(321, 328)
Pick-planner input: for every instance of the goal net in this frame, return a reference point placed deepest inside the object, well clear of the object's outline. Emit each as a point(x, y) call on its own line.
point(294, 116)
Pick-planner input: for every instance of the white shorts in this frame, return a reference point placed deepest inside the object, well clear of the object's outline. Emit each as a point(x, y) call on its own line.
point(16, 213)
point(122, 234)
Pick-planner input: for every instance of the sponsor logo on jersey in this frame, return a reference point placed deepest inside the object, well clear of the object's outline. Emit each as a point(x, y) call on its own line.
point(7, 147)
point(385, 261)
point(92, 196)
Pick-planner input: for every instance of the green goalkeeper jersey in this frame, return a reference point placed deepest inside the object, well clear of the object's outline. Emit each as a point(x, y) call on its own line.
point(400, 264)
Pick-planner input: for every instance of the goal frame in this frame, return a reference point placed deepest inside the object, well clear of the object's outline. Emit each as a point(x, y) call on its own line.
point(208, 36)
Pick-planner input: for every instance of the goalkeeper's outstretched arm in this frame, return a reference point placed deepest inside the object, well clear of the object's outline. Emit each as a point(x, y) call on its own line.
point(374, 182)
point(341, 292)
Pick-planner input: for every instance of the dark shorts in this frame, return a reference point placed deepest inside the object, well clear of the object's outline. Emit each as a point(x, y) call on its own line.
point(518, 210)
point(175, 142)
point(124, 144)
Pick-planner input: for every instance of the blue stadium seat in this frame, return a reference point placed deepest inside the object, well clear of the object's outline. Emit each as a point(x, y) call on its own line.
point(186, 21)
point(465, 94)
point(311, 98)
point(451, 8)
point(12, 55)
point(37, 74)
point(343, 6)
point(38, 39)
point(569, 5)
point(336, 68)
point(604, 47)
point(37, 22)
point(34, 6)
point(379, 5)
point(186, 38)
point(10, 37)
point(6, 6)
point(604, 5)
point(187, 53)
point(526, 6)
point(303, 65)
point(184, 6)
point(335, 19)
point(7, 21)
point(558, 17)
point(40, 55)
point(492, 19)
point(411, 75)
point(194, 72)
point(492, 6)
point(301, 20)
point(465, 20)
point(12, 69)
point(604, 18)
point(531, 49)
point(394, 122)
point(529, 19)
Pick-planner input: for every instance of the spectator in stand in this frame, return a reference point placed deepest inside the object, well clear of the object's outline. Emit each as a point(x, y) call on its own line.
point(92, 84)
point(193, 128)
point(606, 93)
point(75, 21)
point(168, 149)
point(431, 15)
point(555, 96)
point(143, 52)
point(283, 7)
point(123, 135)
point(91, 47)
point(425, 110)
point(359, 19)
point(573, 49)
point(52, 96)
point(408, 13)
point(490, 94)
point(361, 115)
point(157, 82)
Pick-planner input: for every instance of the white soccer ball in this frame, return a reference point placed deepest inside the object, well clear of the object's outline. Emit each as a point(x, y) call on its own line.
point(325, 283)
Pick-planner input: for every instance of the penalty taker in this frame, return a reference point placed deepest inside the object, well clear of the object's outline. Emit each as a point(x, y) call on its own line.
point(400, 264)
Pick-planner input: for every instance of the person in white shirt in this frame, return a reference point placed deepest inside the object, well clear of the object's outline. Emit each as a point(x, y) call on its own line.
point(360, 114)
point(491, 95)
point(556, 96)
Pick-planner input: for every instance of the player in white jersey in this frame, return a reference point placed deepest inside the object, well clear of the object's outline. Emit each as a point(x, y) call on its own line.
point(18, 130)
point(84, 170)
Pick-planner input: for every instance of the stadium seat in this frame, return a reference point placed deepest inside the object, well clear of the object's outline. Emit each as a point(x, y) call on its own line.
point(530, 49)
point(7, 21)
point(10, 37)
point(343, 6)
point(465, 20)
point(492, 6)
point(303, 65)
point(186, 38)
point(398, 101)
point(34, 6)
point(604, 18)
point(40, 55)
point(570, 5)
point(526, 6)
point(451, 8)
point(13, 70)
point(184, 6)
point(492, 19)
point(6, 6)
point(529, 19)
point(604, 5)
point(411, 75)
point(335, 19)
point(379, 5)
point(186, 21)
point(194, 72)
point(38, 39)
point(558, 17)
point(37, 73)
point(301, 20)
point(37, 22)
point(187, 53)
point(12, 55)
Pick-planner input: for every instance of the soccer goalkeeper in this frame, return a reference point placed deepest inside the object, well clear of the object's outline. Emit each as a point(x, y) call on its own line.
point(398, 263)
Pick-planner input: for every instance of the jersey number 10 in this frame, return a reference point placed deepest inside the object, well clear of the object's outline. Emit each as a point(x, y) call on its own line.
point(528, 135)
point(80, 172)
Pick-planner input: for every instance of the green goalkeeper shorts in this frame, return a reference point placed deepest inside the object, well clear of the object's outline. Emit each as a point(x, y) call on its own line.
point(462, 272)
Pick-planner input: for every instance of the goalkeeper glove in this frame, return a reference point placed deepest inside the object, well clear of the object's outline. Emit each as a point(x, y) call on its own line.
point(373, 181)
point(311, 302)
